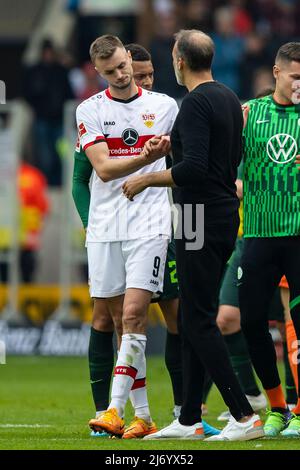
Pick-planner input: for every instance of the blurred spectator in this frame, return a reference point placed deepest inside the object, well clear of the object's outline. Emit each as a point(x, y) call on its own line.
point(198, 15)
point(284, 20)
point(160, 49)
point(230, 48)
point(243, 23)
point(255, 56)
point(75, 72)
point(279, 17)
point(93, 83)
point(46, 88)
point(34, 206)
point(163, 7)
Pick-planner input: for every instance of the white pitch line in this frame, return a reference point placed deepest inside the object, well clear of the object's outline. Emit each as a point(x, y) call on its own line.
point(26, 426)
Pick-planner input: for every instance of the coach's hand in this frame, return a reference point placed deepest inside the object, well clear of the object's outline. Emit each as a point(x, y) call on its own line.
point(156, 148)
point(134, 185)
point(297, 161)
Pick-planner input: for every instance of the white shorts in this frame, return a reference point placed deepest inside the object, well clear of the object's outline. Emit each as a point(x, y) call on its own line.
point(117, 266)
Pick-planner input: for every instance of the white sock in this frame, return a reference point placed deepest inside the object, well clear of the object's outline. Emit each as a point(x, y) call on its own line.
point(138, 394)
point(130, 354)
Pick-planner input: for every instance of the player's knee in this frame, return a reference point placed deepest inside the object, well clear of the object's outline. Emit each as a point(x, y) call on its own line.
point(223, 325)
point(102, 320)
point(102, 324)
point(133, 318)
point(228, 320)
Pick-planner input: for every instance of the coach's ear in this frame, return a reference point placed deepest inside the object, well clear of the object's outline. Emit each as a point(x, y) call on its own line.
point(130, 56)
point(180, 63)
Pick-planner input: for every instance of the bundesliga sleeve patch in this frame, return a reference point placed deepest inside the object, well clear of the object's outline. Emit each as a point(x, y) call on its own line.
point(82, 130)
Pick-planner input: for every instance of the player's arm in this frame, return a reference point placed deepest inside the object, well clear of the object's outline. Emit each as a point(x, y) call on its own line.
point(93, 142)
point(109, 169)
point(80, 186)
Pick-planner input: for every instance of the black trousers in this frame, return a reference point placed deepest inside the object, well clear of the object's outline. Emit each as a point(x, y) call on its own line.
point(200, 273)
point(264, 262)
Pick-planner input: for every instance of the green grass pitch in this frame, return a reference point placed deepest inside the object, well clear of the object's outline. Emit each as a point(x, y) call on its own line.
point(45, 403)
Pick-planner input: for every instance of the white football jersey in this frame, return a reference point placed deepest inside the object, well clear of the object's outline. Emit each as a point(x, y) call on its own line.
point(125, 125)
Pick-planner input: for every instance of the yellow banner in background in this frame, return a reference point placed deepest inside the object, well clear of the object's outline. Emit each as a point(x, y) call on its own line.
point(37, 302)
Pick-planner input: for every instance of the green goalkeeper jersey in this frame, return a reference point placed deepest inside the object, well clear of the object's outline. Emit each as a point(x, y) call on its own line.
point(271, 177)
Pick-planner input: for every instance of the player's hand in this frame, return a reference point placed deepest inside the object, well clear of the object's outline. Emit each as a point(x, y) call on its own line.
point(297, 161)
point(133, 186)
point(245, 109)
point(156, 148)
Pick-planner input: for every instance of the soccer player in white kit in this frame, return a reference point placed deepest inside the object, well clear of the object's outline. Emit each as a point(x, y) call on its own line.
point(126, 241)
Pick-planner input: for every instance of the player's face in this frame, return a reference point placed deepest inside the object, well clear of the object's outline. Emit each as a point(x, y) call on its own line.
point(117, 69)
point(177, 64)
point(143, 74)
point(286, 73)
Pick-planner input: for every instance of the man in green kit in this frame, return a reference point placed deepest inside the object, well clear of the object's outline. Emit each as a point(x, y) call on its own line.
point(272, 228)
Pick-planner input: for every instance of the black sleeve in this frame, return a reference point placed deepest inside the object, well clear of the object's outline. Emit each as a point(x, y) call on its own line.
point(194, 131)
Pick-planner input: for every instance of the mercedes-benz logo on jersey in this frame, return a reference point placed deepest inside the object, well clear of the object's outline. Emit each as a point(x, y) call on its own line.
point(281, 148)
point(130, 137)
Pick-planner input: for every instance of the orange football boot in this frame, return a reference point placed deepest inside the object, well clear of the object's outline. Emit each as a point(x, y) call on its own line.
point(108, 421)
point(139, 428)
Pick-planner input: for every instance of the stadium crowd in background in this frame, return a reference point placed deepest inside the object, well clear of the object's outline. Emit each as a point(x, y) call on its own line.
point(246, 34)
point(46, 88)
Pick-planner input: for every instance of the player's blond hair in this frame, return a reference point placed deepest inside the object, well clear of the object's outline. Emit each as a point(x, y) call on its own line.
point(104, 47)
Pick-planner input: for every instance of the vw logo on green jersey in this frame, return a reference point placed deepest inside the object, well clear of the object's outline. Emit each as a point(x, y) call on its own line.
point(281, 148)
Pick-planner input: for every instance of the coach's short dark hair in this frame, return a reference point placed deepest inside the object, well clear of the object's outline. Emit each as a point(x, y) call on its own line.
point(138, 52)
point(104, 47)
point(288, 52)
point(196, 48)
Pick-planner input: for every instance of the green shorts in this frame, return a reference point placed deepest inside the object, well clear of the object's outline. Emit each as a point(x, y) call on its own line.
point(171, 288)
point(229, 294)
